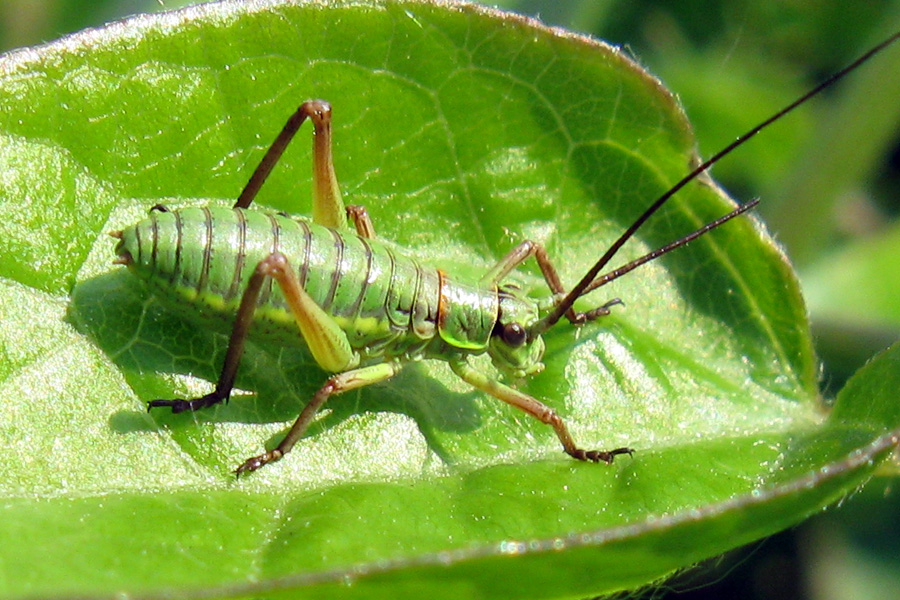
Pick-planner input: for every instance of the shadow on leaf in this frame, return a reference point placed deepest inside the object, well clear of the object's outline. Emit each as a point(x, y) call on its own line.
point(156, 349)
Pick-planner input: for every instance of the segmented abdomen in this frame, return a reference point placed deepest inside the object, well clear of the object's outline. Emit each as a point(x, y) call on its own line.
point(199, 261)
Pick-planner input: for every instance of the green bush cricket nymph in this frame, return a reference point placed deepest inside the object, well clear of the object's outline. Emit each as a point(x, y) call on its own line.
point(361, 308)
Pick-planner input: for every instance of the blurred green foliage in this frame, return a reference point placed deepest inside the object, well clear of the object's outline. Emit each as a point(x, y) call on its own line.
point(29, 22)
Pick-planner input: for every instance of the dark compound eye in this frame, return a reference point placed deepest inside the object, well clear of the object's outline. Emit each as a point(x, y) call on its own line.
point(514, 334)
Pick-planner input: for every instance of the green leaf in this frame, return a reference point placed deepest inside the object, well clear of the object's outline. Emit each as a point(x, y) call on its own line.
point(463, 131)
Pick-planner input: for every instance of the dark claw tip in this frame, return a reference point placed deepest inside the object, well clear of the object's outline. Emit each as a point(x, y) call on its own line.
point(177, 406)
point(248, 467)
point(600, 455)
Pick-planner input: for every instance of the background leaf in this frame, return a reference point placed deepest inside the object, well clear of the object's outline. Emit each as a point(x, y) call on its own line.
point(507, 131)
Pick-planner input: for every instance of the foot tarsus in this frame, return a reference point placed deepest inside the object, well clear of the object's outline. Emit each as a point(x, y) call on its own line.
point(606, 456)
point(252, 464)
point(179, 406)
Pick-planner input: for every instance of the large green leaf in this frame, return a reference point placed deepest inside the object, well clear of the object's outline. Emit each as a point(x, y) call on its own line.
point(463, 131)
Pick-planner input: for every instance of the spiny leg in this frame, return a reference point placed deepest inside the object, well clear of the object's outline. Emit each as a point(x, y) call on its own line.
point(523, 252)
point(328, 207)
point(337, 384)
point(536, 409)
point(327, 342)
point(232, 355)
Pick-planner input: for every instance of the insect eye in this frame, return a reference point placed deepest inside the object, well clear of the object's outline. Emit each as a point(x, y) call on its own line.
point(514, 334)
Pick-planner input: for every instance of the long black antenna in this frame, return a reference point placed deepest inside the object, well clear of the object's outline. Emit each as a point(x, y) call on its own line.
point(585, 285)
point(631, 266)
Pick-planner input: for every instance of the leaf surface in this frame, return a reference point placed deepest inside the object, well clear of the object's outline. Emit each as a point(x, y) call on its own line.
point(463, 131)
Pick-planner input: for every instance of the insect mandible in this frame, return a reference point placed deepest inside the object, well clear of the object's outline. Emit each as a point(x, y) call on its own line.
point(361, 308)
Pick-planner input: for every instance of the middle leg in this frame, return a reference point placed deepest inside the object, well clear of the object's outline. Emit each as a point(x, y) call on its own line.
point(338, 384)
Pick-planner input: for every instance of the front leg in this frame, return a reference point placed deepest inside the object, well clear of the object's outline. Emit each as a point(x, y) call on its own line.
point(523, 252)
point(536, 409)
